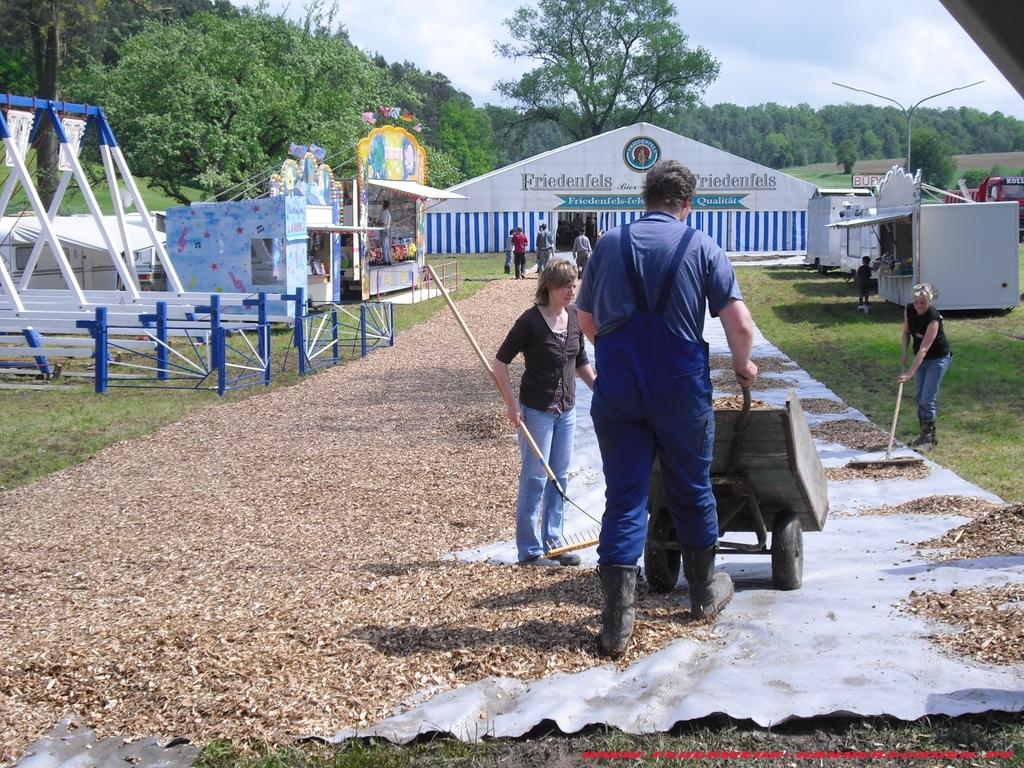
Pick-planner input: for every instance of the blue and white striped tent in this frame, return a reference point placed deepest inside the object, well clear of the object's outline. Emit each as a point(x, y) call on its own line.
point(744, 206)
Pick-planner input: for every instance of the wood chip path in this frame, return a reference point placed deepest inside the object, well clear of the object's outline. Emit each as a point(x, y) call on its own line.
point(276, 566)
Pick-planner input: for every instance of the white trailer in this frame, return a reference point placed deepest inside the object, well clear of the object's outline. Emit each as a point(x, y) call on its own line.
point(83, 244)
point(968, 253)
point(827, 247)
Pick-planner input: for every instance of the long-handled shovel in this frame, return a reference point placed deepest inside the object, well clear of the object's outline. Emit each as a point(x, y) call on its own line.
point(902, 461)
point(552, 551)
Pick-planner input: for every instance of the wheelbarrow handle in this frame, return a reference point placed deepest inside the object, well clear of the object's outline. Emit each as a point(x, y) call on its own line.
point(737, 435)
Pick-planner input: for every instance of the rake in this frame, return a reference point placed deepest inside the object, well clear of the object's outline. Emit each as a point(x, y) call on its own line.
point(900, 461)
point(572, 542)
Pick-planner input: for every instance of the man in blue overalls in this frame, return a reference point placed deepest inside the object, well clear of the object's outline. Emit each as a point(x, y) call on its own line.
point(642, 304)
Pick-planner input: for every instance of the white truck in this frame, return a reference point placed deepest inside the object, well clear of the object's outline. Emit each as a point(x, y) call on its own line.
point(830, 248)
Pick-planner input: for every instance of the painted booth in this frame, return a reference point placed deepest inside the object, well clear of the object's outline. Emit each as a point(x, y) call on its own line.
point(390, 162)
point(244, 246)
point(332, 257)
point(292, 239)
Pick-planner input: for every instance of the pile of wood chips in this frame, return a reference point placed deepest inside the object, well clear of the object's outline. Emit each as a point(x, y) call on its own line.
point(891, 472)
point(735, 403)
point(725, 381)
point(764, 364)
point(989, 623)
point(995, 530)
point(966, 506)
point(821, 405)
point(853, 433)
point(277, 566)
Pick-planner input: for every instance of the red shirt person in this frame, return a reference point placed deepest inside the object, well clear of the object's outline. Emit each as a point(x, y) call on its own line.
point(519, 243)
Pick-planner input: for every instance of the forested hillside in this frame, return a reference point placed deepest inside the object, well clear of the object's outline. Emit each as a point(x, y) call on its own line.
point(202, 94)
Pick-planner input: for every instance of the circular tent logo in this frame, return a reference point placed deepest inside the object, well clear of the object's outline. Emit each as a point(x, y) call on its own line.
point(641, 153)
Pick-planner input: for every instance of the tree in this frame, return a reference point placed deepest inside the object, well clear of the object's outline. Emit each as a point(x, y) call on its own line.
point(602, 64)
point(846, 154)
point(515, 139)
point(871, 144)
point(777, 151)
point(930, 152)
point(215, 102)
point(974, 176)
point(465, 135)
point(70, 34)
point(442, 170)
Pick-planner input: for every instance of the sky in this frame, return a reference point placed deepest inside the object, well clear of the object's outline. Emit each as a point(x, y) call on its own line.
point(784, 51)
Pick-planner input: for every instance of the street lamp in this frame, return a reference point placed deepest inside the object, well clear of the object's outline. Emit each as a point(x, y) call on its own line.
point(909, 113)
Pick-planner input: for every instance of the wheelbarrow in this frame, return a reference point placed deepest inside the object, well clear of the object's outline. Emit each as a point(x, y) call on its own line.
point(766, 475)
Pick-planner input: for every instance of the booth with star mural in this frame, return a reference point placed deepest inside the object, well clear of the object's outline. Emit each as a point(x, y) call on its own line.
point(244, 246)
point(304, 235)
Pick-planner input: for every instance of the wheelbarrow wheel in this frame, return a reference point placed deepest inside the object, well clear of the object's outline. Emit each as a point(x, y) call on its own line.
point(661, 564)
point(787, 552)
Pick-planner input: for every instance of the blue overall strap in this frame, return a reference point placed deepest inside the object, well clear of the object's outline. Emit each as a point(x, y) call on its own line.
point(673, 268)
point(631, 273)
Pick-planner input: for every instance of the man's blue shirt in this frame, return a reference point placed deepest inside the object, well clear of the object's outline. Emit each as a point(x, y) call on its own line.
point(705, 277)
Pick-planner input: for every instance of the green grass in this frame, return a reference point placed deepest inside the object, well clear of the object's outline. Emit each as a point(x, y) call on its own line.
point(812, 318)
point(45, 431)
point(828, 175)
point(980, 734)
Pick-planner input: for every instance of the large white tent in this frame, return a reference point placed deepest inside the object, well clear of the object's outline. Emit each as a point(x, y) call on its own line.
point(741, 204)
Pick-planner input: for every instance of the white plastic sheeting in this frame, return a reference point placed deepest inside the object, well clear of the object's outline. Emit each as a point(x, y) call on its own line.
point(838, 645)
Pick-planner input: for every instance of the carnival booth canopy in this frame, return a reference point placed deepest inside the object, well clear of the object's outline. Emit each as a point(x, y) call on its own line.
point(596, 184)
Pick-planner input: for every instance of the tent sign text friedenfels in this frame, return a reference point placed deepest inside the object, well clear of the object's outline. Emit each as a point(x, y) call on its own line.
point(636, 202)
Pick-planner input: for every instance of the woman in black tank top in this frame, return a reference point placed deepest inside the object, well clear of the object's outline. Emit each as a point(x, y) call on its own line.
point(922, 325)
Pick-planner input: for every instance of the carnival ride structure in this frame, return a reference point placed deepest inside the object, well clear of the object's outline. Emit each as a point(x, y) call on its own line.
point(141, 338)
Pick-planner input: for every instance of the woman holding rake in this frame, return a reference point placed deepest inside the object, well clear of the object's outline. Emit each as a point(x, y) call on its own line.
point(549, 337)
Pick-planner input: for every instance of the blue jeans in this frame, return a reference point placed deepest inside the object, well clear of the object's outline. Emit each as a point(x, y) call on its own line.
point(539, 509)
point(926, 386)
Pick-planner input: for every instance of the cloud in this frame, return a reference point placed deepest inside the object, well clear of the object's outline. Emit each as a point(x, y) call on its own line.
point(786, 51)
point(790, 51)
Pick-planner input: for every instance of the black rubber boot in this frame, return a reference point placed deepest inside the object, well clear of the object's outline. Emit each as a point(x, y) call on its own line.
point(618, 582)
point(927, 437)
point(709, 591)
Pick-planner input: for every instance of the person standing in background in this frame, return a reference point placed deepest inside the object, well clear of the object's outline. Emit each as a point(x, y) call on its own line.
point(519, 243)
point(385, 235)
point(545, 246)
point(581, 251)
point(863, 284)
point(508, 252)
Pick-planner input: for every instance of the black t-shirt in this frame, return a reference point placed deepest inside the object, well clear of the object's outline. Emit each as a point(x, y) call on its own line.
point(549, 381)
point(864, 275)
point(918, 325)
